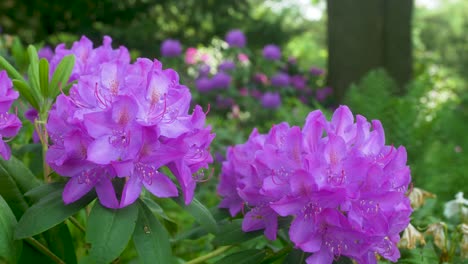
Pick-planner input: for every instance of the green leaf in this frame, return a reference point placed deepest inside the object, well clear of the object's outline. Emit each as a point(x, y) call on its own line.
point(29, 255)
point(13, 183)
point(44, 76)
point(25, 91)
point(251, 256)
point(12, 72)
point(48, 212)
point(231, 233)
point(9, 248)
point(59, 241)
point(43, 190)
point(151, 238)
point(109, 231)
point(296, 256)
point(61, 75)
point(23, 176)
point(201, 214)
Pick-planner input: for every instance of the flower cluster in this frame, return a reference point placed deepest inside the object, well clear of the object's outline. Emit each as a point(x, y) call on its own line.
point(343, 186)
point(9, 123)
point(122, 122)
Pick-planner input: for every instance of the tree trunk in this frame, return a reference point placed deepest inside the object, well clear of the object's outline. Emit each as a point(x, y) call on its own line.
point(365, 35)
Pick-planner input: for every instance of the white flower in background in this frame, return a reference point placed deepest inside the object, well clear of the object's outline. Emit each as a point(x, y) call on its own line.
point(459, 206)
point(411, 237)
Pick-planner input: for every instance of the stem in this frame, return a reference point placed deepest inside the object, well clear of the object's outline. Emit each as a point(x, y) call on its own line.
point(44, 138)
point(75, 222)
point(212, 254)
point(36, 244)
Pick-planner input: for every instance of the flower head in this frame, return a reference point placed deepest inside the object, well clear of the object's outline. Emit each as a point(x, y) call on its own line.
point(171, 48)
point(236, 38)
point(9, 123)
point(123, 122)
point(272, 52)
point(271, 100)
point(344, 187)
point(280, 79)
point(227, 65)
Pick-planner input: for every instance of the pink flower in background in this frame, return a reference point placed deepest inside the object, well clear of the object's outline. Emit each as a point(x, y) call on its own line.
point(191, 55)
point(242, 57)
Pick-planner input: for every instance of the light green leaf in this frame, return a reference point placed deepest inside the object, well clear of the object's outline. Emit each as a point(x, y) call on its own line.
point(12, 72)
point(44, 76)
point(48, 212)
point(109, 231)
point(201, 214)
point(33, 70)
point(151, 238)
point(61, 75)
point(9, 248)
point(25, 92)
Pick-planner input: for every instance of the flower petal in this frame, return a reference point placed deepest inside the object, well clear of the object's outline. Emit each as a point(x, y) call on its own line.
point(106, 193)
point(74, 190)
point(131, 191)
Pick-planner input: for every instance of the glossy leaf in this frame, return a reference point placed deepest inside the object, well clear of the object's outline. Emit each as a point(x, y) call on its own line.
point(43, 190)
point(251, 256)
point(109, 231)
point(201, 214)
point(231, 233)
point(9, 248)
point(61, 75)
point(47, 213)
point(151, 238)
point(20, 173)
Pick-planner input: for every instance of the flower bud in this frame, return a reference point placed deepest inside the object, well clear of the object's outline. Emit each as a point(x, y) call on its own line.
point(411, 236)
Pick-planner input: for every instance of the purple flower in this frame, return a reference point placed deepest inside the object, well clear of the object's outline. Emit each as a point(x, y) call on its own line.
point(171, 48)
point(236, 38)
point(221, 80)
point(9, 123)
point(271, 100)
point(204, 84)
point(46, 53)
point(298, 82)
point(261, 78)
point(316, 71)
point(272, 52)
point(204, 70)
point(227, 65)
point(344, 188)
point(126, 121)
point(323, 93)
point(281, 79)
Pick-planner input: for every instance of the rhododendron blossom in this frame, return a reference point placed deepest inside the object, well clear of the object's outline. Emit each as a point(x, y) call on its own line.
point(344, 188)
point(9, 123)
point(125, 121)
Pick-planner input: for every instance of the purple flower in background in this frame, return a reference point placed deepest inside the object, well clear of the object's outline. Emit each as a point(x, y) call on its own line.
point(271, 100)
point(292, 60)
point(221, 80)
point(46, 52)
point(224, 102)
point(126, 121)
point(298, 82)
point(236, 38)
point(272, 52)
point(280, 79)
point(31, 114)
point(344, 188)
point(316, 71)
point(204, 84)
point(9, 123)
point(171, 48)
point(227, 65)
point(323, 93)
point(204, 70)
